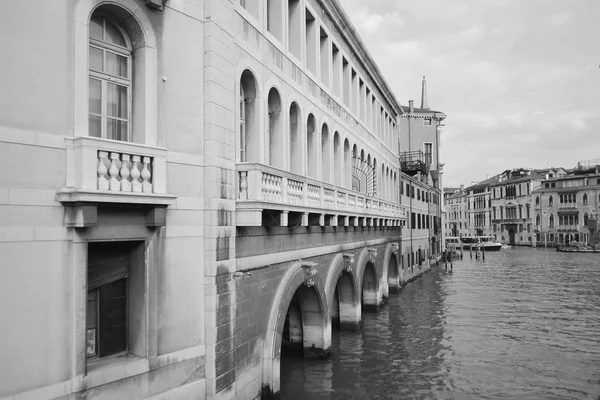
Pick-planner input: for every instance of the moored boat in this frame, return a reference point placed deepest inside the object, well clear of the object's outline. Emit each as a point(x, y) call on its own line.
point(486, 243)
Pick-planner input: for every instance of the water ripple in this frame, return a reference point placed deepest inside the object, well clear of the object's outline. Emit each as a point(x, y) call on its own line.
point(524, 324)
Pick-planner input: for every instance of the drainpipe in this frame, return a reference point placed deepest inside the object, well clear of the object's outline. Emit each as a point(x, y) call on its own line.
point(411, 109)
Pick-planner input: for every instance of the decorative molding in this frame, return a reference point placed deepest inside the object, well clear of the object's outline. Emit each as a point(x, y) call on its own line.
point(349, 259)
point(372, 254)
point(310, 271)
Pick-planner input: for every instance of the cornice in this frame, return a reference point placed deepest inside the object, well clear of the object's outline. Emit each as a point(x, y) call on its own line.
point(341, 20)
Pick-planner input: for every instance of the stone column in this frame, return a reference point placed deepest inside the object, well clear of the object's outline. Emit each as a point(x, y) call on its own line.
point(220, 83)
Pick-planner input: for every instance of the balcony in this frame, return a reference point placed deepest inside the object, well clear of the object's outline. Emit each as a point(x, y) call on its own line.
point(567, 228)
point(412, 162)
point(268, 195)
point(565, 207)
point(108, 171)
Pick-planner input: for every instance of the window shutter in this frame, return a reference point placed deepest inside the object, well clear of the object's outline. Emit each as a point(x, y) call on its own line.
point(107, 267)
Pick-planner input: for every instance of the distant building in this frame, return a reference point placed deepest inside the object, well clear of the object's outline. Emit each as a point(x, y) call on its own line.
point(566, 206)
point(420, 179)
point(479, 208)
point(512, 206)
point(455, 211)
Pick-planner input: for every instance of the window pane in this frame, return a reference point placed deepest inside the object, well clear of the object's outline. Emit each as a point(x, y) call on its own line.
point(95, 128)
point(96, 28)
point(116, 100)
point(116, 65)
point(114, 35)
point(95, 96)
point(116, 130)
point(96, 63)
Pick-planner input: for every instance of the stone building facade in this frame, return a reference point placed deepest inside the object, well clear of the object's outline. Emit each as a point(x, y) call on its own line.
point(421, 180)
point(213, 180)
point(512, 209)
point(566, 207)
point(455, 215)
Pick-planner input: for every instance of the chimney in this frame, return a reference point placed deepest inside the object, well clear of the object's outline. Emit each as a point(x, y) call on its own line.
point(424, 102)
point(411, 106)
point(462, 188)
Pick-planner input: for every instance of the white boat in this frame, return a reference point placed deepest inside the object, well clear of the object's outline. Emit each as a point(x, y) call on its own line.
point(486, 243)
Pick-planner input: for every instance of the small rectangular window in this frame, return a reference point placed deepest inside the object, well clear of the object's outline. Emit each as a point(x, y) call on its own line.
point(427, 121)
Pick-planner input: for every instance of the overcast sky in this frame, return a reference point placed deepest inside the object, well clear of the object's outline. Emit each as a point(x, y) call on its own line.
point(518, 79)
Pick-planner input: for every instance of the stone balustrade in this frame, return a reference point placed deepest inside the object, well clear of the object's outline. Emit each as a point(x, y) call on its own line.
point(263, 183)
point(109, 171)
point(567, 227)
point(122, 172)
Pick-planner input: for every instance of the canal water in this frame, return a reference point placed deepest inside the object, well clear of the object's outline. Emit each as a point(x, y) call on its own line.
point(524, 324)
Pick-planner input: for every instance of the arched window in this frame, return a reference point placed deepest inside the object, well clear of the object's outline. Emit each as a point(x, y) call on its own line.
point(550, 201)
point(551, 220)
point(337, 159)
point(537, 200)
point(585, 219)
point(295, 140)
point(110, 77)
point(249, 143)
point(312, 153)
point(275, 155)
point(537, 219)
point(585, 198)
point(242, 124)
point(347, 165)
point(325, 154)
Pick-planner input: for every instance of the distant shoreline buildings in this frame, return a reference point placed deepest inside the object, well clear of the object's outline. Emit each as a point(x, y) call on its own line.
point(529, 207)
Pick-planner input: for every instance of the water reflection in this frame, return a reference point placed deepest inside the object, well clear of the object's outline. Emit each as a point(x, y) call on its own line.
point(523, 324)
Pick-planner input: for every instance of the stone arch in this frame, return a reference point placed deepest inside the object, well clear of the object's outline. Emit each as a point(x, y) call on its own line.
point(345, 283)
point(390, 274)
point(367, 268)
point(320, 335)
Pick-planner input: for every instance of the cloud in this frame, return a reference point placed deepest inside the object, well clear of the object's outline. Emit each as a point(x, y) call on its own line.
point(518, 79)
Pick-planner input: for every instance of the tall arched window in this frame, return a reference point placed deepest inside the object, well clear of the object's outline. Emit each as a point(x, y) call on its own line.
point(110, 77)
point(325, 154)
point(242, 124)
point(312, 153)
point(550, 201)
point(537, 219)
point(275, 155)
point(585, 198)
point(347, 165)
point(337, 159)
point(537, 200)
point(551, 220)
point(296, 153)
point(249, 143)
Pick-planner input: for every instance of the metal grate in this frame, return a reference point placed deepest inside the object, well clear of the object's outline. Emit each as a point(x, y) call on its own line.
point(363, 177)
